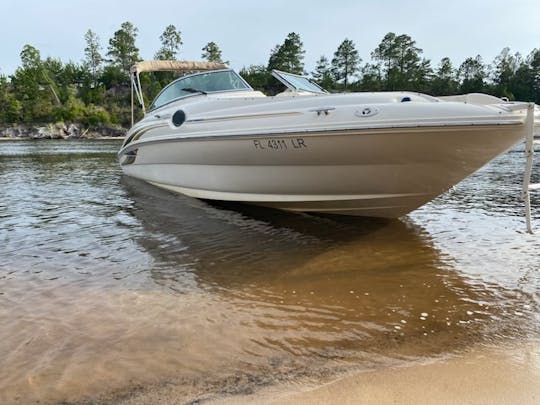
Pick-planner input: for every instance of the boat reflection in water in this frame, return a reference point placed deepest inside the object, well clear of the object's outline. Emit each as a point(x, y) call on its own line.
point(320, 287)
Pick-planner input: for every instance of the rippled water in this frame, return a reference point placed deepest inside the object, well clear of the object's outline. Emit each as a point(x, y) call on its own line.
point(109, 285)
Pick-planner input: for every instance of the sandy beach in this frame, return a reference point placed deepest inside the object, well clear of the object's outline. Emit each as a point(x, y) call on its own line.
point(491, 376)
point(495, 375)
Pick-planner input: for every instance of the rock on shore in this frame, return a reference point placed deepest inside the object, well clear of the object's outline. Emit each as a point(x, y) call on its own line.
point(60, 130)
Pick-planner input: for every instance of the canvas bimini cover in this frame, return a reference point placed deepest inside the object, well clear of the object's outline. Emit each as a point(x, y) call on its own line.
point(175, 66)
point(164, 66)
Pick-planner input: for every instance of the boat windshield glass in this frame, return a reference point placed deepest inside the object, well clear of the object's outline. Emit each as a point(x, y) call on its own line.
point(207, 82)
point(296, 82)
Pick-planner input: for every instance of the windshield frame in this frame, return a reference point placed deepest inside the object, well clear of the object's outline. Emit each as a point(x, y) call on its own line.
point(282, 77)
point(153, 107)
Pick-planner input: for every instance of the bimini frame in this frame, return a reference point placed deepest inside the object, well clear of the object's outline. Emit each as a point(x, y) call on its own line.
point(531, 128)
point(530, 143)
point(163, 66)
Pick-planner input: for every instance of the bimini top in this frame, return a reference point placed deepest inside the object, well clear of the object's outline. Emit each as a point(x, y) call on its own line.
point(164, 66)
point(175, 66)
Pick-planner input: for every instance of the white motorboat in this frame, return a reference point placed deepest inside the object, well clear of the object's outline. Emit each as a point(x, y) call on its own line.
point(209, 135)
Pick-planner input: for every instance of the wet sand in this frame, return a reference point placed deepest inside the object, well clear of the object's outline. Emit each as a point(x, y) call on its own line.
point(485, 376)
point(495, 375)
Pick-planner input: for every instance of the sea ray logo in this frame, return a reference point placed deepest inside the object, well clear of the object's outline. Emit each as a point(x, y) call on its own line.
point(366, 112)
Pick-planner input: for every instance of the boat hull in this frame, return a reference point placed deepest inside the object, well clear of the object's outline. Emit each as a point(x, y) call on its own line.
point(368, 172)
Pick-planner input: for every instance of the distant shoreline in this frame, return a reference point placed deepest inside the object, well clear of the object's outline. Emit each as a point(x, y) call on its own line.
point(60, 130)
point(102, 138)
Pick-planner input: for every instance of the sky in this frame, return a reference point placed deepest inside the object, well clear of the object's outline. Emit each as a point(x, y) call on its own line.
point(246, 31)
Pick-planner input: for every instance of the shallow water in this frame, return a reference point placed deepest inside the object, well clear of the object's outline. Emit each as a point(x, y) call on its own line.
point(109, 285)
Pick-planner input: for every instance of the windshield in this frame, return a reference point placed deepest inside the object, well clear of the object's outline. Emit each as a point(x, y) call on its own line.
point(296, 82)
point(208, 82)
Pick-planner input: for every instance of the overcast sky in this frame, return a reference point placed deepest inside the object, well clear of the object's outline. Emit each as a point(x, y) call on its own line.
point(246, 31)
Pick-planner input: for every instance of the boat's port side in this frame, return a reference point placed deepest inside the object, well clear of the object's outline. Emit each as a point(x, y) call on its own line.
point(361, 171)
point(137, 133)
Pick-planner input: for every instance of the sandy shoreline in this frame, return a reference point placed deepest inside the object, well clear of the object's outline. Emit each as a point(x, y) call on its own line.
point(488, 376)
point(496, 375)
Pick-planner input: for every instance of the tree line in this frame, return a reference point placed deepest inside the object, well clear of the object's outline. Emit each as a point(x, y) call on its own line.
point(96, 90)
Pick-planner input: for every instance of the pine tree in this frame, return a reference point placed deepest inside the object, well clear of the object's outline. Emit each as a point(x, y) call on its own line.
point(10, 107)
point(93, 58)
point(445, 80)
point(505, 68)
point(257, 76)
point(288, 56)
point(345, 62)
point(212, 53)
point(122, 49)
point(171, 39)
point(33, 87)
point(534, 62)
point(472, 74)
point(399, 60)
point(30, 58)
point(322, 74)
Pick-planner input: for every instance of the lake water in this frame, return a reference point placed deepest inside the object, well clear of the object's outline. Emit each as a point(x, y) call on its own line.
point(109, 285)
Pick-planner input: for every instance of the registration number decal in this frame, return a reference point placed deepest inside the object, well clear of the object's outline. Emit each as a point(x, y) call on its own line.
point(280, 143)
